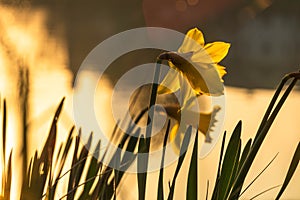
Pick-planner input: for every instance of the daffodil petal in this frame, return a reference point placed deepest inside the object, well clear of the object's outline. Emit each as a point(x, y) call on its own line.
point(187, 94)
point(207, 122)
point(193, 40)
point(187, 69)
point(176, 137)
point(202, 80)
point(221, 70)
point(207, 80)
point(173, 132)
point(201, 56)
point(217, 50)
point(170, 83)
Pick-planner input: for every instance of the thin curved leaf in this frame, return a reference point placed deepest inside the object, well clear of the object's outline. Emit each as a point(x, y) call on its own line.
point(291, 171)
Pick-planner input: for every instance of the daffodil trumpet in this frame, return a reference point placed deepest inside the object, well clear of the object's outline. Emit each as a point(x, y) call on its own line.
point(203, 121)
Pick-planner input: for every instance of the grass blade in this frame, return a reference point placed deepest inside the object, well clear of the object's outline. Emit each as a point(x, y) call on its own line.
point(267, 190)
point(258, 175)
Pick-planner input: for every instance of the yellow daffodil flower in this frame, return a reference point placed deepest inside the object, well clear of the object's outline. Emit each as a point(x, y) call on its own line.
point(205, 124)
point(198, 62)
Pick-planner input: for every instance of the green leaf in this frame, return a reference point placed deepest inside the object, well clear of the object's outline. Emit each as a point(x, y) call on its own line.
point(128, 156)
point(122, 164)
point(105, 189)
point(216, 188)
point(144, 144)
point(4, 131)
point(236, 165)
point(274, 99)
point(33, 180)
point(71, 183)
point(183, 149)
point(3, 145)
point(192, 185)
point(141, 163)
point(7, 185)
point(93, 169)
point(82, 159)
point(291, 171)
point(241, 162)
point(262, 132)
point(230, 162)
point(42, 166)
point(207, 188)
point(160, 190)
point(101, 190)
point(221, 155)
point(116, 171)
point(27, 180)
point(263, 192)
point(245, 154)
point(61, 162)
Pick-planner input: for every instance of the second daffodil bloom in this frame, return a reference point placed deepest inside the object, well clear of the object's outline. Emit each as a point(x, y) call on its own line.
point(199, 64)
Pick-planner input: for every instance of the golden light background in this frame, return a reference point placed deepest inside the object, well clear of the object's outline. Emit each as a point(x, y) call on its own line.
point(26, 39)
